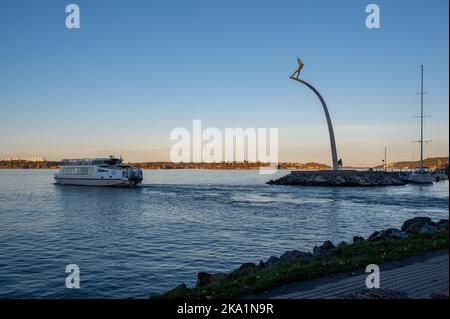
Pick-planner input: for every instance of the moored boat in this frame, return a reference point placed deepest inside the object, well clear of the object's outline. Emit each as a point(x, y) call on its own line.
point(421, 176)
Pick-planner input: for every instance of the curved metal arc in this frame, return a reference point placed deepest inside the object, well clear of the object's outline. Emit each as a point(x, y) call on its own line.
point(330, 125)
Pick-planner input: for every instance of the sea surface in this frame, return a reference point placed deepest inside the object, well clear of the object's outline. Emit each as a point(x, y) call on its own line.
point(130, 242)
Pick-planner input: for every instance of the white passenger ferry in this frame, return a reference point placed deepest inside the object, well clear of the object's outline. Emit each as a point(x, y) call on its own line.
point(98, 172)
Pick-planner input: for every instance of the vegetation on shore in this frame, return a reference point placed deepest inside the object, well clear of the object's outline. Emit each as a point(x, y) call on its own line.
point(346, 258)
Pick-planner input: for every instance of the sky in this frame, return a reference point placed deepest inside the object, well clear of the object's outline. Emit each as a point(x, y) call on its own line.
point(135, 70)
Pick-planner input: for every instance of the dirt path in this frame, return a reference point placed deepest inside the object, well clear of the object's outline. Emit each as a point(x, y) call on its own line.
point(416, 277)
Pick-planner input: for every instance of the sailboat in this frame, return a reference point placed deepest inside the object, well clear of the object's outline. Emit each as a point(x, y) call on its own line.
point(421, 176)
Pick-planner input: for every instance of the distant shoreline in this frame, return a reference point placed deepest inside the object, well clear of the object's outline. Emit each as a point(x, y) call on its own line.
point(171, 165)
point(431, 163)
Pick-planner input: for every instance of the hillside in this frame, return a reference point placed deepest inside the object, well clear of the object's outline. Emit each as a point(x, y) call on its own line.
point(431, 163)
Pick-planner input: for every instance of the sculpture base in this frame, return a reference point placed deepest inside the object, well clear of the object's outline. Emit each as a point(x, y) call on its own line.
point(339, 178)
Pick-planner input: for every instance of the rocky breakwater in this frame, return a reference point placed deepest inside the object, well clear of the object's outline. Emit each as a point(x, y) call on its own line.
point(339, 178)
point(410, 228)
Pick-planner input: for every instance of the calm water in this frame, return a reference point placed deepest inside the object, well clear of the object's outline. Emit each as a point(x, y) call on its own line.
point(131, 242)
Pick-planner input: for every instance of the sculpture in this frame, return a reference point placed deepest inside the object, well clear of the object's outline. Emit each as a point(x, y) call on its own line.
point(295, 76)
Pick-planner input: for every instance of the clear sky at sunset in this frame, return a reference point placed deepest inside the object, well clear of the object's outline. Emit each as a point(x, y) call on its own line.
point(137, 69)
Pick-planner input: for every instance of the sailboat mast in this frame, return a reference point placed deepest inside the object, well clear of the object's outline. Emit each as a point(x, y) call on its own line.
point(421, 117)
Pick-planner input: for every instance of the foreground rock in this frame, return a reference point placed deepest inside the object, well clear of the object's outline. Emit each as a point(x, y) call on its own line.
point(296, 255)
point(204, 279)
point(422, 225)
point(271, 262)
point(326, 250)
point(388, 234)
point(339, 178)
point(357, 239)
point(246, 268)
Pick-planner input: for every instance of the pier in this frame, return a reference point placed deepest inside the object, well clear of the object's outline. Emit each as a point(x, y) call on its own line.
point(340, 178)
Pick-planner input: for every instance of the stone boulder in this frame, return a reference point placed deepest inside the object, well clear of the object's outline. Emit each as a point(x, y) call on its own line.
point(204, 279)
point(429, 228)
point(415, 225)
point(395, 233)
point(358, 238)
point(377, 236)
point(271, 262)
point(295, 255)
point(325, 250)
point(342, 244)
point(246, 268)
point(178, 289)
point(388, 234)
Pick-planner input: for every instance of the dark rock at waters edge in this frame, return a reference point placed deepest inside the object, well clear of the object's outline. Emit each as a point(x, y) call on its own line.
point(296, 255)
point(246, 268)
point(178, 289)
point(204, 278)
point(388, 234)
point(288, 256)
point(327, 249)
point(339, 178)
point(272, 261)
point(342, 244)
point(411, 226)
point(427, 228)
point(421, 225)
point(358, 238)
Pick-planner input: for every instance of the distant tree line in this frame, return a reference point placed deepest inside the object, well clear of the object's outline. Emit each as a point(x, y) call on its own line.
point(227, 165)
point(170, 165)
point(431, 163)
point(28, 164)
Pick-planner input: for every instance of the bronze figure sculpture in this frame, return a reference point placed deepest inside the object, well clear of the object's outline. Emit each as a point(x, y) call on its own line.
point(296, 74)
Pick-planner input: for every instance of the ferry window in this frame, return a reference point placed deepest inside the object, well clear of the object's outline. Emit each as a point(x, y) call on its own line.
point(84, 171)
point(69, 171)
point(77, 171)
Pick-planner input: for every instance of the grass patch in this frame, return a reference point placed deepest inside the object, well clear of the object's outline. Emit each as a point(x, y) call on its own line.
point(348, 258)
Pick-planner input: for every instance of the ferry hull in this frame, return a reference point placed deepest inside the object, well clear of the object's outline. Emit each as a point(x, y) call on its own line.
point(93, 182)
